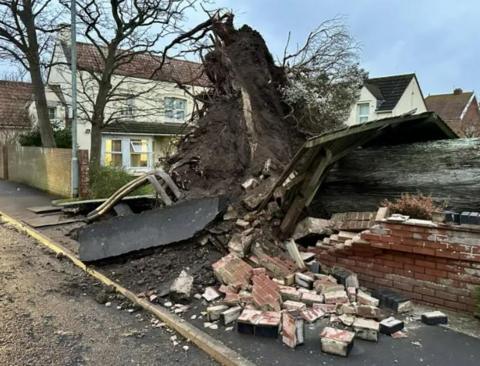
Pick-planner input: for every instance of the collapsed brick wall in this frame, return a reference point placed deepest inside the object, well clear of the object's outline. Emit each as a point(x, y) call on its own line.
point(435, 265)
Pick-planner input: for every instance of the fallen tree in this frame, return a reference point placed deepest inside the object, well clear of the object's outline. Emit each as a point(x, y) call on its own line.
point(247, 126)
point(447, 170)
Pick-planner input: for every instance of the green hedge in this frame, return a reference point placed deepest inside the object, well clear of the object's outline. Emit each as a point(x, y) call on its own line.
point(104, 181)
point(63, 138)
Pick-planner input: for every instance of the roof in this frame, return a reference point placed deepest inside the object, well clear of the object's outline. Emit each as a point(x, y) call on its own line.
point(15, 98)
point(146, 128)
point(388, 90)
point(306, 171)
point(449, 106)
point(143, 66)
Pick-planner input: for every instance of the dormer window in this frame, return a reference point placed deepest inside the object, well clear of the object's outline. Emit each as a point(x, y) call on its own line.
point(363, 110)
point(128, 107)
point(175, 109)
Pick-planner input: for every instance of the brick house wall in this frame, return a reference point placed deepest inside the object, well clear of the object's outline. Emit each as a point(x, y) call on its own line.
point(471, 120)
point(435, 265)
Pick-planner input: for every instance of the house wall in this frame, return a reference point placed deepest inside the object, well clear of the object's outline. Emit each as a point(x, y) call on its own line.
point(412, 98)
point(149, 106)
point(52, 101)
point(163, 146)
point(470, 126)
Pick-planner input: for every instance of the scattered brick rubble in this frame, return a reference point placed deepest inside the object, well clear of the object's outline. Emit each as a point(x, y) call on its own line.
point(272, 296)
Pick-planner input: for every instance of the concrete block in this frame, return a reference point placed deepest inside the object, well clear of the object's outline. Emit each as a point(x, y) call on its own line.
point(230, 315)
point(434, 318)
point(391, 325)
point(365, 299)
point(214, 312)
point(347, 319)
point(369, 312)
point(310, 299)
point(336, 297)
point(366, 329)
point(293, 305)
point(304, 280)
point(336, 341)
point(290, 293)
point(246, 321)
point(268, 324)
point(312, 315)
point(293, 329)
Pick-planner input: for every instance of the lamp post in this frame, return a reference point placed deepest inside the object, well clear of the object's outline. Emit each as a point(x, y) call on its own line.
point(73, 48)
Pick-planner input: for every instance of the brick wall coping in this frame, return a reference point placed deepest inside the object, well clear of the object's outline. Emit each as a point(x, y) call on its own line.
point(432, 225)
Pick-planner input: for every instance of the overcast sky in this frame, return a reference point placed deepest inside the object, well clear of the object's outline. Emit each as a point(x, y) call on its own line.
point(436, 39)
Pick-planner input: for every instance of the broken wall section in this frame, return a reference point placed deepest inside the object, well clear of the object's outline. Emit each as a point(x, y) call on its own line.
point(431, 263)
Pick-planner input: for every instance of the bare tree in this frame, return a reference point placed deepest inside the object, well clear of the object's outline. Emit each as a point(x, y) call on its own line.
point(120, 32)
point(25, 28)
point(324, 77)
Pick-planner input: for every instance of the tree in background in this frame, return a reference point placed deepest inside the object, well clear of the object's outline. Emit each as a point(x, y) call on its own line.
point(120, 30)
point(25, 29)
point(323, 78)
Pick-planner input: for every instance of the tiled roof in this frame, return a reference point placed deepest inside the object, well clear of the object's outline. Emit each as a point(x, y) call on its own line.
point(142, 66)
point(448, 106)
point(147, 128)
point(388, 90)
point(15, 97)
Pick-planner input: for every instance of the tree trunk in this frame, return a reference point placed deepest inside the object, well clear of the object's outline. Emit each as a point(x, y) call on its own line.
point(33, 57)
point(44, 125)
point(447, 170)
point(96, 146)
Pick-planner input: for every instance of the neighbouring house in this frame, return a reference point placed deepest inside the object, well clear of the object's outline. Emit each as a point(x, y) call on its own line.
point(18, 112)
point(148, 114)
point(459, 109)
point(387, 96)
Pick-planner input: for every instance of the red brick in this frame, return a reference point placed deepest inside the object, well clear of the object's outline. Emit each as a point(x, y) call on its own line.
point(447, 254)
point(433, 300)
point(435, 272)
point(426, 251)
point(403, 286)
point(445, 296)
point(424, 291)
point(456, 305)
point(401, 247)
point(412, 269)
point(425, 277)
point(427, 264)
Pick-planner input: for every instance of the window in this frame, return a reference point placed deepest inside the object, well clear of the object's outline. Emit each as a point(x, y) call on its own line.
point(52, 113)
point(113, 153)
point(175, 108)
point(139, 153)
point(128, 107)
point(363, 110)
point(132, 153)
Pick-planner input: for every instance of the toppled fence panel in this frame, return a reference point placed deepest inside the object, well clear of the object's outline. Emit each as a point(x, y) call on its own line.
point(161, 226)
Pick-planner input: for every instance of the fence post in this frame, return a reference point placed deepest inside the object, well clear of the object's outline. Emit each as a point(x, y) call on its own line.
point(4, 152)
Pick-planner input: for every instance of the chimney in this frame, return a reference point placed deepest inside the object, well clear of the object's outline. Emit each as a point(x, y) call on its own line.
point(457, 91)
point(64, 33)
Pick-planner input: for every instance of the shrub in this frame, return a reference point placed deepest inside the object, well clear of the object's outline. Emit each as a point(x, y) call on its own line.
point(104, 181)
point(416, 206)
point(63, 138)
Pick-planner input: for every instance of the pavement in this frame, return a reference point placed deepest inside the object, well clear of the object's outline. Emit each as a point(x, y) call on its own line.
point(425, 345)
point(52, 313)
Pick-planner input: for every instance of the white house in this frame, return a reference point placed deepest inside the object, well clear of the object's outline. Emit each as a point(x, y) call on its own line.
point(387, 97)
point(149, 110)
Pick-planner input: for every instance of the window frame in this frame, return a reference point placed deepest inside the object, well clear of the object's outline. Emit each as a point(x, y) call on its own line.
point(359, 115)
point(54, 118)
point(171, 113)
point(128, 106)
point(125, 146)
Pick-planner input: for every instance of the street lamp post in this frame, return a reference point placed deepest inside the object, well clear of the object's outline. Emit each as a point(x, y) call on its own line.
point(73, 48)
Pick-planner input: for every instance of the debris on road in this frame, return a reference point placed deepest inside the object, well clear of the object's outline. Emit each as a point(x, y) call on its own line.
point(181, 288)
point(434, 318)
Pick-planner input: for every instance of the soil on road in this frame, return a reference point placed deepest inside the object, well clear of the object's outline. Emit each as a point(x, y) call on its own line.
point(51, 313)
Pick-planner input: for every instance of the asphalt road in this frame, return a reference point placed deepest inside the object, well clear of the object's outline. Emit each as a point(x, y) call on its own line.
point(51, 314)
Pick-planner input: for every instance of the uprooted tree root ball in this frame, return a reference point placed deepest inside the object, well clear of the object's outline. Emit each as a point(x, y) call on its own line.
point(245, 123)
